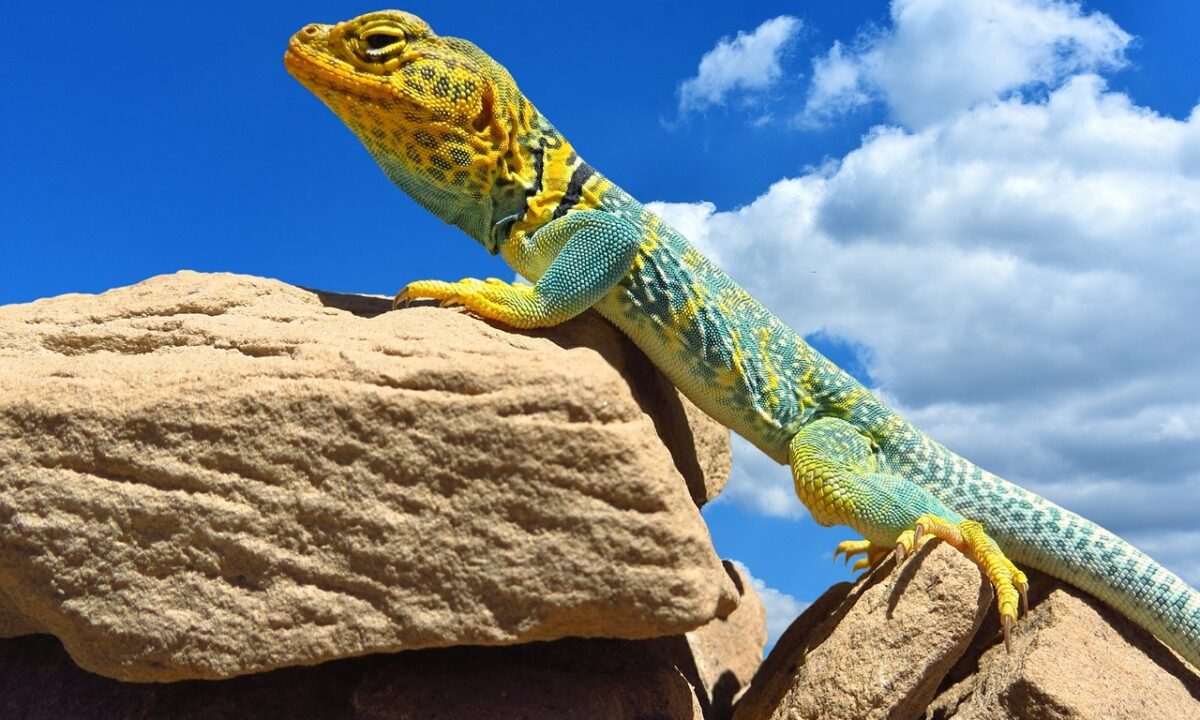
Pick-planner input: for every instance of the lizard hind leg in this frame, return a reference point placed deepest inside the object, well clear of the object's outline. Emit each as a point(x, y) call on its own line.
point(843, 480)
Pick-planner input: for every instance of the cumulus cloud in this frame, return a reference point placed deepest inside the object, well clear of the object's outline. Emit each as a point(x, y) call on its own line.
point(1024, 276)
point(838, 85)
point(761, 485)
point(748, 63)
point(943, 56)
point(781, 608)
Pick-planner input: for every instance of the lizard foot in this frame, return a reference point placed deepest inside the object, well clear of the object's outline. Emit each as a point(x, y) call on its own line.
point(448, 292)
point(875, 554)
point(492, 298)
point(969, 538)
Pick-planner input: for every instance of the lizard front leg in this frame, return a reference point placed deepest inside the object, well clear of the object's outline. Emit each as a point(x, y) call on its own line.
point(592, 250)
point(842, 481)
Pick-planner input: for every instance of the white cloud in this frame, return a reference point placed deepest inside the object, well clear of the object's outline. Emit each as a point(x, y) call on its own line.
point(1024, 276)
point(1178, 427)
point(781, 608)
point(837, 84)
point(746, 63)
point(943, 56)
point(760, 484)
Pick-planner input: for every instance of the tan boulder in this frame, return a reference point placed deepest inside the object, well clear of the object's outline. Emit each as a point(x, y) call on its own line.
point(561, 680)
point(878, 649)
point(721, 658)
point(209, 475)
point(570, 679)
point(1072, 658)
point(696, 675)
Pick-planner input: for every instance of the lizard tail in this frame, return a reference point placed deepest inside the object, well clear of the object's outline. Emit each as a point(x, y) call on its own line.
point(1059, 542)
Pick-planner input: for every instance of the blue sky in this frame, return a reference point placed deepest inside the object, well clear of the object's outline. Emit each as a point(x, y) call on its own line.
point(989, 211)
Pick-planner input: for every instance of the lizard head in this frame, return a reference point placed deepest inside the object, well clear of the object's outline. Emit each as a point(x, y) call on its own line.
point(438, 115)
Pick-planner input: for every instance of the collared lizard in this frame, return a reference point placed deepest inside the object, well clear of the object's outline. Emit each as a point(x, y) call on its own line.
point(448, 125)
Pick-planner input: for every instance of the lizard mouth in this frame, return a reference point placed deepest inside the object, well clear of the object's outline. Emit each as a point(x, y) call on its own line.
point(318, 71)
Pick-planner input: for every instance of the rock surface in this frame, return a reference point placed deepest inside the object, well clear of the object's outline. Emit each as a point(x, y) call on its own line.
point(721, 658)
point(905, 644)
point(877, 649)
point(209, 475)
point(1072, 658)
point(571, 679)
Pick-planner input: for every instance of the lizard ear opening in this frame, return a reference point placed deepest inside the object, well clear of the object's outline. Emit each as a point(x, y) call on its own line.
point(486, 112)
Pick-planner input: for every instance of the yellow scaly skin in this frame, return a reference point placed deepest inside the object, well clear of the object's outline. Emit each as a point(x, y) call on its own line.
point(448, 125)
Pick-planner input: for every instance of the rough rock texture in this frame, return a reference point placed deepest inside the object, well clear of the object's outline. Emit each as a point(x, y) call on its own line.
point(878, 649)
point(692, 676)
point(209, 475)
point(721, 658)
point(570, 679)
point(911, 644)
point(1071, 658)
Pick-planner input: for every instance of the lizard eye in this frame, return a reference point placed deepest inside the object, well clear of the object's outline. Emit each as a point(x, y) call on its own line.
point(381, 40)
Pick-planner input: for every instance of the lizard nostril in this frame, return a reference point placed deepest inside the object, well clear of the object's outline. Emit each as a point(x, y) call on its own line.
point(309, 35)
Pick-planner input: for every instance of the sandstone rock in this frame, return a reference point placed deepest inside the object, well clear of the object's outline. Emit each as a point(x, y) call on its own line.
point(721, 658)
point(571, 679)
point(209, 475)
point(692, 676)
point(39, 681)
point(1071, 658)
point(566, 679)
point(601, 679)
point(878, 649)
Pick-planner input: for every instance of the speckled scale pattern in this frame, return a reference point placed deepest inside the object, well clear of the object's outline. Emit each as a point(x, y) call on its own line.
point(449, 126)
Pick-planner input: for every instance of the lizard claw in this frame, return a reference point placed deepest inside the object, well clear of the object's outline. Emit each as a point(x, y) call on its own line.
point(875, 554)
point(906, 544)
point(492, 299)
point(851, 548)
point(969, 538)
point(434, 289)
point(401, 297)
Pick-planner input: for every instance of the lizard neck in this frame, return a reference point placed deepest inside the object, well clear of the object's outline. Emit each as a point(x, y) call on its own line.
point(545, 180)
